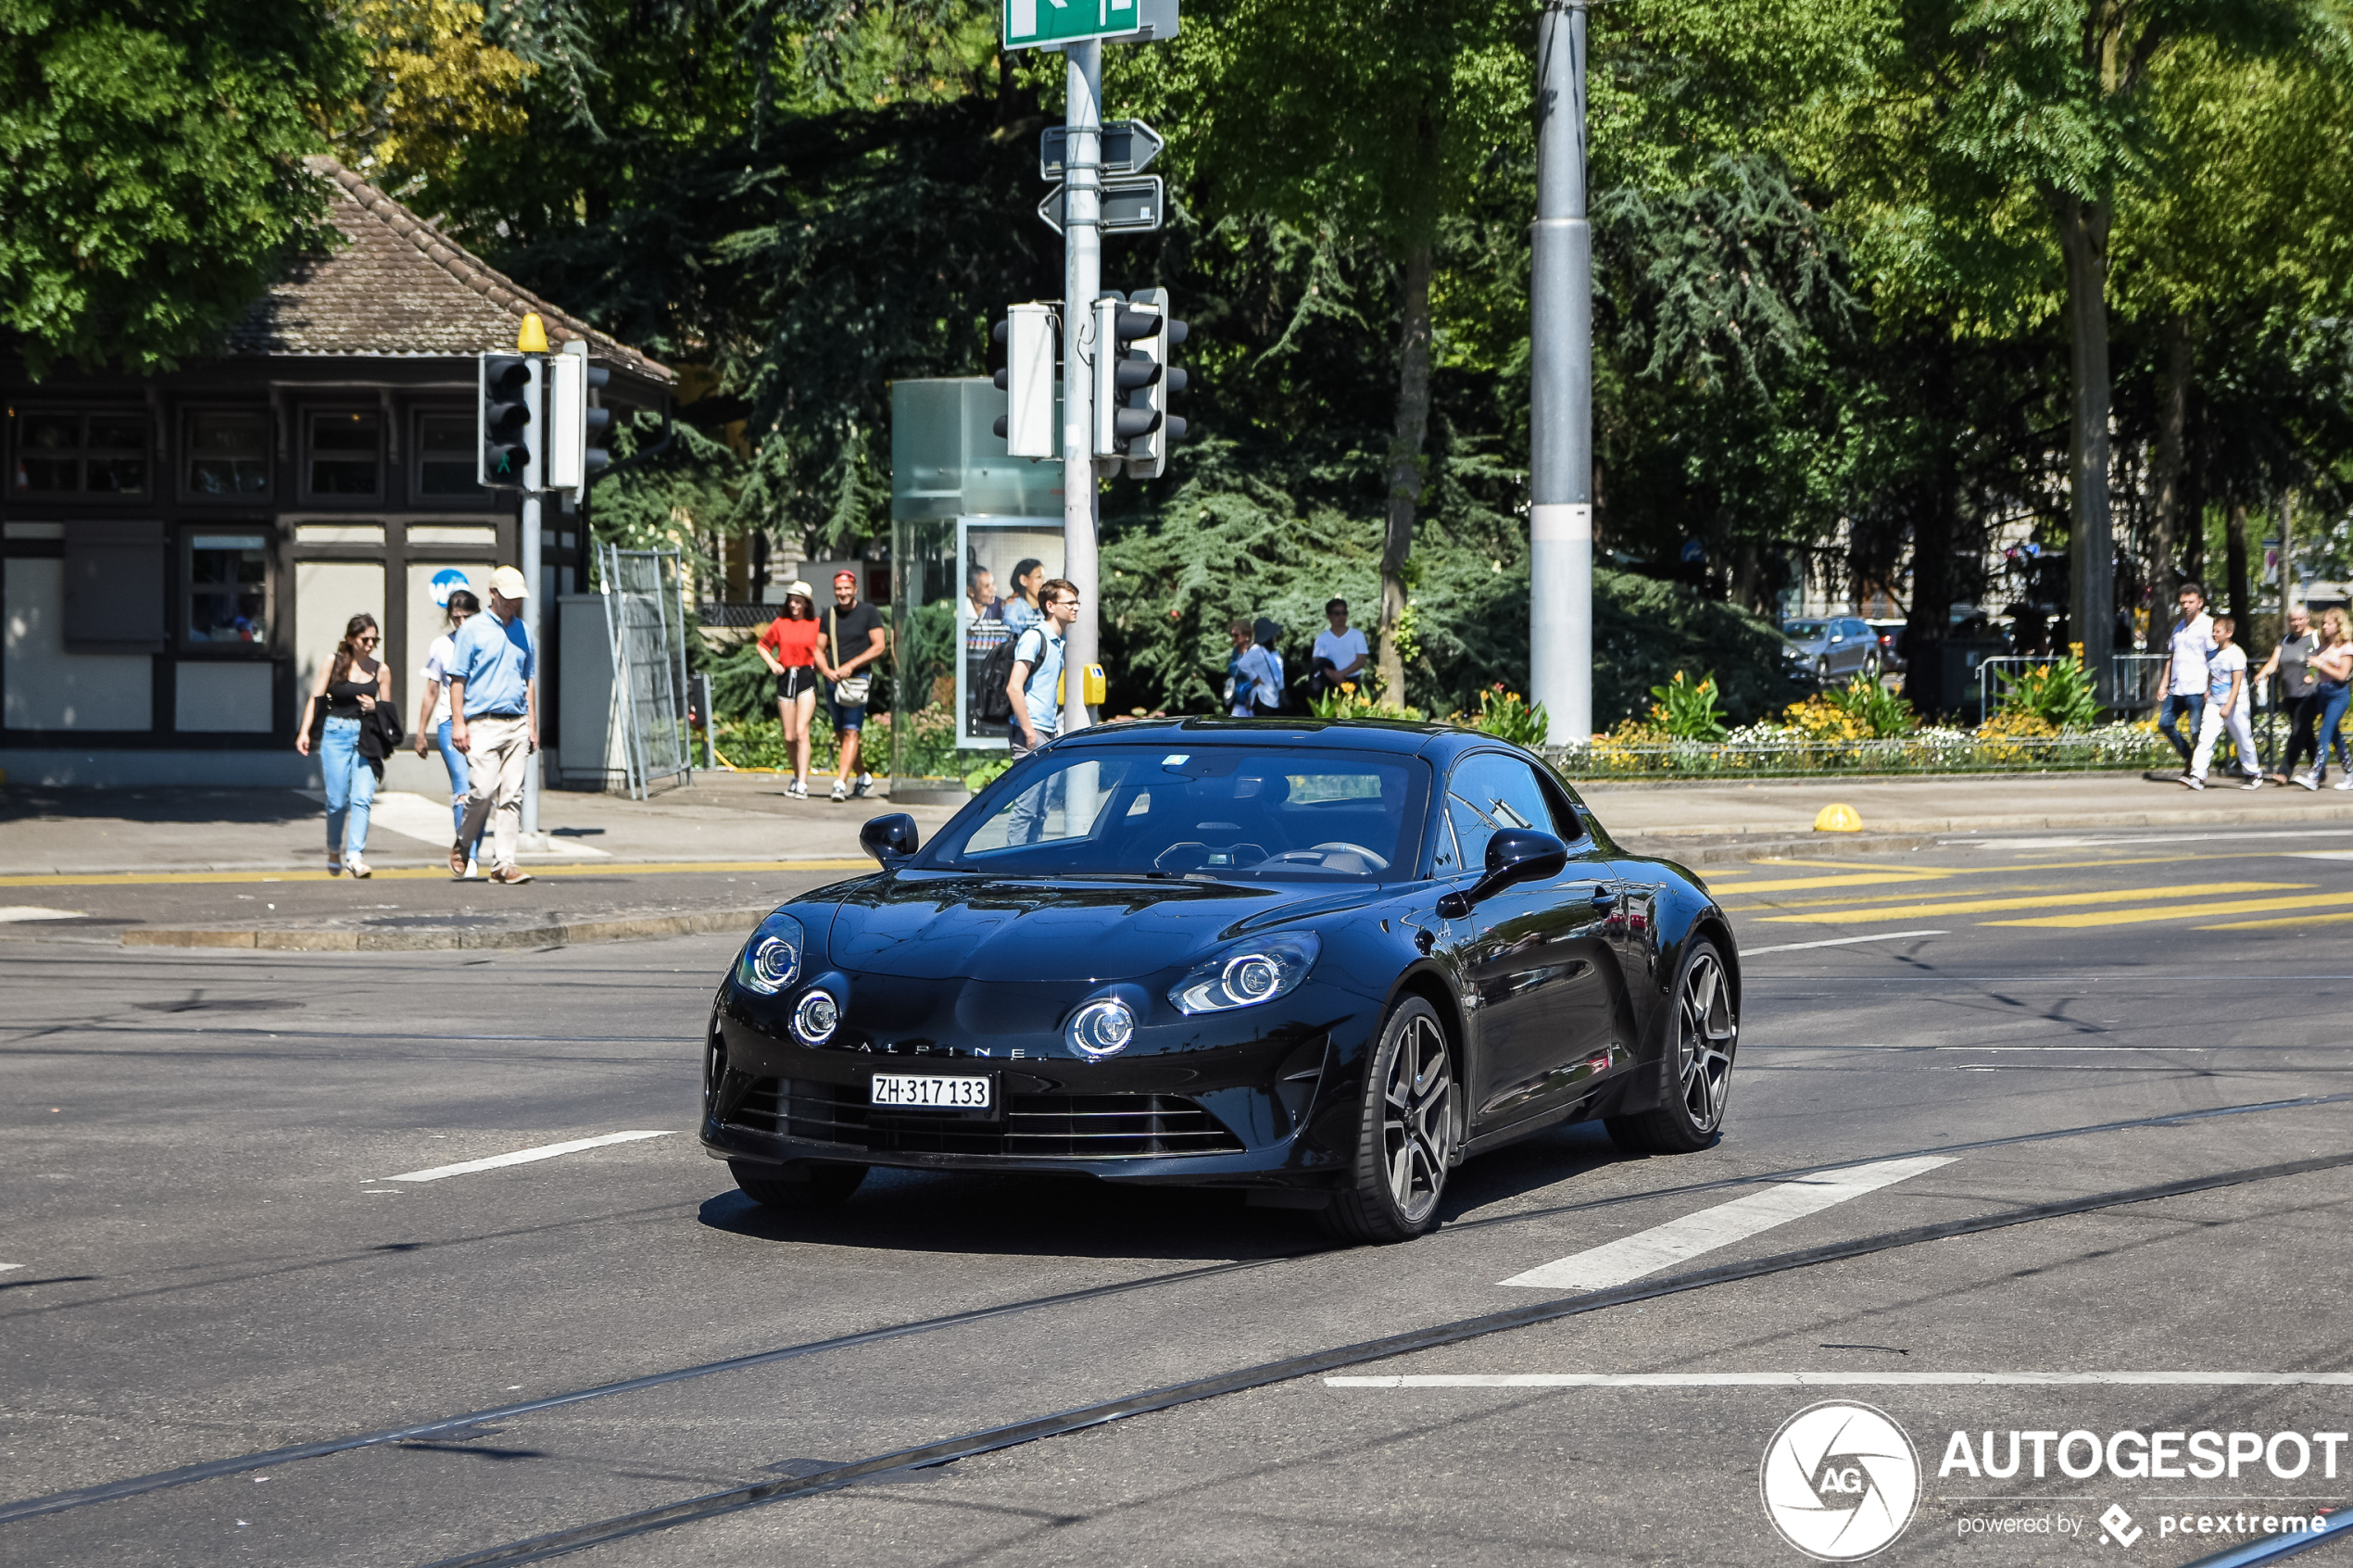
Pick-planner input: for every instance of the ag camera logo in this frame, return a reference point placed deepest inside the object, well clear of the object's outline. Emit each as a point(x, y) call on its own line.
point(1840, 1481)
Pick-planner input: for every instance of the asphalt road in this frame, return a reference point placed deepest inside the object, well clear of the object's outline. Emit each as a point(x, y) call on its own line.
point(211, 1254)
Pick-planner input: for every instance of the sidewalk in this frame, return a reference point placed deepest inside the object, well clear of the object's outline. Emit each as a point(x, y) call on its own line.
point(246, 868)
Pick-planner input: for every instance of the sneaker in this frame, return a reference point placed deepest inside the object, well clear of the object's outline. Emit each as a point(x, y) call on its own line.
point(2345, 783)
point(865, 785)
point(2193, 781)
point(2256, 781)
point(841, 790)
point(472, 872)
point(2310, 781)
point(796, 790)
point(358, 868)
point(509, 875)
point(334, 866)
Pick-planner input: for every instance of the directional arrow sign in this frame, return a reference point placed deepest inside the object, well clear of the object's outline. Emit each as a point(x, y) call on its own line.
point(1130, 146)
point(1130, 206)
point(1031, 23)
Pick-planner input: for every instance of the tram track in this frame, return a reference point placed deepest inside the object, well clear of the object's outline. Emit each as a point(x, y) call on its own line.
point(1173, 1396)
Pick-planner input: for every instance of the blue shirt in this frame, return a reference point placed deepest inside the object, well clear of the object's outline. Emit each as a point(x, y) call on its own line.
point(1041, 648)
point(494, 657)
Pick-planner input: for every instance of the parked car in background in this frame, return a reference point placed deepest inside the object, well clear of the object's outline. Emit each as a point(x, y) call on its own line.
point(1837, 647)
point(1891, 643)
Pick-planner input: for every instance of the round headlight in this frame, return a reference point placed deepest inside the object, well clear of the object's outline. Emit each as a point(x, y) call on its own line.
point(816, 1017)
point(1253, 978)
point(773, 962)
point(1101, 1028)
point(770, 961)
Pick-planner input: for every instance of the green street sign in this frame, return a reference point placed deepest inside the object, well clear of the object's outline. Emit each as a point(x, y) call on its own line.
point(1031, 24)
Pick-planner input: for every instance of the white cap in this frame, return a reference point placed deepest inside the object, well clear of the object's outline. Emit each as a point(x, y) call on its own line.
point(507, 584)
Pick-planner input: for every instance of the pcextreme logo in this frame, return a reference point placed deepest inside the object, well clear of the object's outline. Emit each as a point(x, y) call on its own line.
point(1840, 1481)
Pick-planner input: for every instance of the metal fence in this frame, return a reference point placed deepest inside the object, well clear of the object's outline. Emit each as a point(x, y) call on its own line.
point(646, 612)
point(2135, 678)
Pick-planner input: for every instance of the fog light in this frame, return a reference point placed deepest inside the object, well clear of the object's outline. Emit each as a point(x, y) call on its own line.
point(816, 1017)
point(1101, 1028)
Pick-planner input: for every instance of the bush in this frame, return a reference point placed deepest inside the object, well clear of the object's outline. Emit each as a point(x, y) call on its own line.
point(1685, 711)
point(2059, 694)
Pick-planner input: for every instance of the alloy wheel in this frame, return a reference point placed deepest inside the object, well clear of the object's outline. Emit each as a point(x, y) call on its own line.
point(1707, 1036)
point(1417, 1118)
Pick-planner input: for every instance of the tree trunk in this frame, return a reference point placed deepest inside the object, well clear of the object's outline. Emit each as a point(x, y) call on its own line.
point(2235, 550)
point(2172, 429)
point(1405, 464)
point(2091, 551)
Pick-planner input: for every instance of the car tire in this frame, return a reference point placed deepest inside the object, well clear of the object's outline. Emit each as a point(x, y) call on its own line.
point(1822, 669)
point(796, 1189)
point(1694, 1066)
point(1406, 1134)
point(1870, 671)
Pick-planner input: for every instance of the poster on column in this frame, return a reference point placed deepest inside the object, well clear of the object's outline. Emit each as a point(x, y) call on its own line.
point(1002, 562)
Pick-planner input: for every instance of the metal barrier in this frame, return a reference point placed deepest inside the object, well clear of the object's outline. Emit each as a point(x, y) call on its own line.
point(2136, 674)
point(646, 611)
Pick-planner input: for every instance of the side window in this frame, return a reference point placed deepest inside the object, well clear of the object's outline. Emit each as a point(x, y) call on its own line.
point(1568, 826)
point(1488, 793)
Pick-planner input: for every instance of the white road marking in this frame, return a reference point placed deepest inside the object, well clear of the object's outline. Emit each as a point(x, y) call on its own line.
point(7, 1267)
point(1851, 1380)
point(9, 912)
point(1840, 941)
point(1646, 1252)
point(522, 1156)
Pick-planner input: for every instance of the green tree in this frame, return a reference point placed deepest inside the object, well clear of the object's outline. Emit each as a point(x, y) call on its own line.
point(150, 168)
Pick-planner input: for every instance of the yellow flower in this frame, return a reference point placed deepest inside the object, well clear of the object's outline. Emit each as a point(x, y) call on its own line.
point(1349, 686)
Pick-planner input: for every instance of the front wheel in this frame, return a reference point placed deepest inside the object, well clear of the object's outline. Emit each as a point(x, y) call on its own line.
point(1405, 1138)
point(1695, 1068)
point(796, 1189)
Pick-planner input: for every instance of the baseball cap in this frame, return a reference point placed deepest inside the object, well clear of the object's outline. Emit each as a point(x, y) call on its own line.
point(507, 584)
point(845, 572)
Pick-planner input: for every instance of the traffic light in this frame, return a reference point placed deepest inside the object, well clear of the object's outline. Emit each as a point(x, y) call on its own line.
point(1027, 381)
point(1148, 457)
point(509, 392)
point(1134, 379)
point(571, 423)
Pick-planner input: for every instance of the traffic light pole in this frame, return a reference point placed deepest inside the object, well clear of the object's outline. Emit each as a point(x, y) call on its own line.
point(1560, 544)
point(534, 476)
point(1082, 281)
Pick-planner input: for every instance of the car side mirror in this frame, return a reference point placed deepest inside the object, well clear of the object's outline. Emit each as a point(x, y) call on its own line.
point(1513, 854)
point(890, 839)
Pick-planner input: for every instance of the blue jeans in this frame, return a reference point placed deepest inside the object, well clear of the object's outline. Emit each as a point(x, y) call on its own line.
point(2176, 705)
point(460, 787)
point(2334, 700)
point(351, 787)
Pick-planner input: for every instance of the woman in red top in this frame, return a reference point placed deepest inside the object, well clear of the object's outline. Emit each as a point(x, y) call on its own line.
point(789, 648)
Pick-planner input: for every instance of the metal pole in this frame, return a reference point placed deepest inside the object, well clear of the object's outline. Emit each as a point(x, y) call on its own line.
point(535, 475)
point(1082, 281)
point(1560, 535)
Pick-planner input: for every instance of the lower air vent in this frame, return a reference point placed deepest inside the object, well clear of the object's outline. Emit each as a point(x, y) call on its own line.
point(1037, 1126)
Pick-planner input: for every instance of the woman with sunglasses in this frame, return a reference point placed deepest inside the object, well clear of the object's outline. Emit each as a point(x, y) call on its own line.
point(343, 706)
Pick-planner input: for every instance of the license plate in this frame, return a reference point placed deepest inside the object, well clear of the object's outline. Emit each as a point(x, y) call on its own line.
point(930, 1091)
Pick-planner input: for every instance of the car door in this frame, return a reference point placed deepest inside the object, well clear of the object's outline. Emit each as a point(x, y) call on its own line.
point(1537, 955)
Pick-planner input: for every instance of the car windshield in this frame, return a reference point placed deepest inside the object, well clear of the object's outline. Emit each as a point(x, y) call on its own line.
point(1802, 629)
point(1219, 812)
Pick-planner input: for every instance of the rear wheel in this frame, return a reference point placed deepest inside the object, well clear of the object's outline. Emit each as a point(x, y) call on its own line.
point(1695, 1068)
point(1405, 1138)
point(796, 1189)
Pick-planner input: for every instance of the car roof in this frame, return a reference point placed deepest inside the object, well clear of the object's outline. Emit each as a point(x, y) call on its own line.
point(1396, 736)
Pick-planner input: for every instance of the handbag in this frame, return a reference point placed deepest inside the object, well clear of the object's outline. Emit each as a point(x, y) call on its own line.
point(851, 691)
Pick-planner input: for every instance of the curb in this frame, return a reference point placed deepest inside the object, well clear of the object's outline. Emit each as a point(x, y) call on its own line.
point(313, 939)
point(2326, 815)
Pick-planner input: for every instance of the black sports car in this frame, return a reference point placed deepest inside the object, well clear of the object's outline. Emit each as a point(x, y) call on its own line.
point(1322, 961)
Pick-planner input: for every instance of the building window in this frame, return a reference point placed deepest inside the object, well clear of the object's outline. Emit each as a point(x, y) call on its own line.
point(228, 455)
point(344, 454)
point(101, 454)
point(229, 589)
point(448, 456)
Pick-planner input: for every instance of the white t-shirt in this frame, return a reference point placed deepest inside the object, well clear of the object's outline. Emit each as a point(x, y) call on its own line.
point(439, 659)
point(1341, 650)
point(2193, 645)
point(2230, 661)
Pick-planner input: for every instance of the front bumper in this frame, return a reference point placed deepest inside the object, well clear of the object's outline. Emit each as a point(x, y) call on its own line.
point(1255, 1109)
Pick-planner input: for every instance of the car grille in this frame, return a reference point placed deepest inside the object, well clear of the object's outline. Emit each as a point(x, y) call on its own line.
point(1037, 1126)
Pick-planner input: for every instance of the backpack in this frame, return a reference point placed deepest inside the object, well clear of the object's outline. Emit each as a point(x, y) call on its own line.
point(990, 704)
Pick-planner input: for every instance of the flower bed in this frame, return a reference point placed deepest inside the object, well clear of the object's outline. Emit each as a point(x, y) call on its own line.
point(1786, 750)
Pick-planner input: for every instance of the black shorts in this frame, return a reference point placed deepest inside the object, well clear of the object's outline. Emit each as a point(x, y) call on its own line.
point(796, 678)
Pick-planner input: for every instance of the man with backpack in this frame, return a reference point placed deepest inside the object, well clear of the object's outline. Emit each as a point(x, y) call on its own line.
point(1034, 688)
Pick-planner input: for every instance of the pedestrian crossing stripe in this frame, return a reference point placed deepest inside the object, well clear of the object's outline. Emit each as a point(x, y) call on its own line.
point(1732, 882)
point(2177, 912)
point(2334, 918)
point(2034, 901)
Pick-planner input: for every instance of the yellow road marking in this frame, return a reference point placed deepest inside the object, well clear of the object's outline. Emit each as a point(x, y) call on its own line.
point(2038, 901)
point(2333, 918)
point(1863, 875)
point(2136, 917)
point(424, 873)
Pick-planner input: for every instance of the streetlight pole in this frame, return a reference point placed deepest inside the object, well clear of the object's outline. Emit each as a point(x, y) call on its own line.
point(1082, 281)
point(1560, 540)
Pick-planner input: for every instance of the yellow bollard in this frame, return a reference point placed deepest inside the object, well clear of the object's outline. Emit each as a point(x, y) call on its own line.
point(1837, 819)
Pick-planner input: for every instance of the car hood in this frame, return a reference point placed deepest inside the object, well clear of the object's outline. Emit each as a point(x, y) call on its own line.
point(939, 928)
